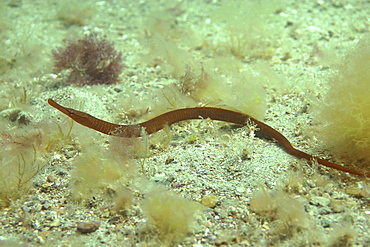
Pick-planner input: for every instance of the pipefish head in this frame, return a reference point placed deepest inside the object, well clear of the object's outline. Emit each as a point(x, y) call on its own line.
point(78, 116)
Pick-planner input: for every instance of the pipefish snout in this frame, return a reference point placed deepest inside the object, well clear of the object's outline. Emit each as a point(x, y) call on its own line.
point(178, 115)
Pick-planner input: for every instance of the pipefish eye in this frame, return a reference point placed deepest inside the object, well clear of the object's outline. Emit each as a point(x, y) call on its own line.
point(72, 113)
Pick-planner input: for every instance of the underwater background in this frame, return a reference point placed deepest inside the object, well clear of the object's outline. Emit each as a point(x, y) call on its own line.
point(302, 67)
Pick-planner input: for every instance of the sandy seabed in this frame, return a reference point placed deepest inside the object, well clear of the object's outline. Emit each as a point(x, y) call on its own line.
point(197, 183)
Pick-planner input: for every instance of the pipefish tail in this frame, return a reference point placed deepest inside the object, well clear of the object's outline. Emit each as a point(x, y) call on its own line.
point(168, 118)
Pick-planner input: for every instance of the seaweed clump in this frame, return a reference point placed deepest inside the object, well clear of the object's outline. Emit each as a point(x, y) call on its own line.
point(91, 60)
point(346, 109)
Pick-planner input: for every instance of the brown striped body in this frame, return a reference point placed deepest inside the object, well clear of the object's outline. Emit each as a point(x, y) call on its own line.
point(175, 116)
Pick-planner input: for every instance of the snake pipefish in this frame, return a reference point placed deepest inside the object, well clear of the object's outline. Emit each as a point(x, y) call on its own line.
point(178, 115)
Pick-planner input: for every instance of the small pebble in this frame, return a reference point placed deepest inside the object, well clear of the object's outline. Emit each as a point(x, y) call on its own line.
point(355, 191)
point(50, 179)
point(87, 227)
point(210, 201)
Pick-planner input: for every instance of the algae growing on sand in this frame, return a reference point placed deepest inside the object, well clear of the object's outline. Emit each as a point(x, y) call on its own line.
point(197, 183)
